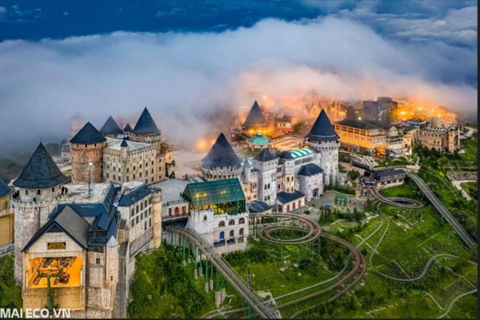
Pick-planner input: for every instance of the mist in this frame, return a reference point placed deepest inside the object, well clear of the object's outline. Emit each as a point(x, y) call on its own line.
point(181, 76)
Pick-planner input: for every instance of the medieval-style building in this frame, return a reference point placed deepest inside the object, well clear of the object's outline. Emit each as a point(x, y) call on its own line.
point(116, 155)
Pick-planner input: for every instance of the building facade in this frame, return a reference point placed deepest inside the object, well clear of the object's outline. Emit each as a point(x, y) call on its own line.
point(378, 138)
point(113, 155)
point(75, 243)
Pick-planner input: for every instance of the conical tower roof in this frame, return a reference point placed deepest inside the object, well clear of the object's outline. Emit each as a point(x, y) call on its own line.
point(127, 128)
point(145, 124)
point(221, 155)
point(124, 143)
point(40, 172)
point(88, 135)
point(255, 117)
point(322, 129)
point(265, 155)
point(110, 127)
point(4, 188)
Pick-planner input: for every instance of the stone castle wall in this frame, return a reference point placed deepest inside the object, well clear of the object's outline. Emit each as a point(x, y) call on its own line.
point(82, 155)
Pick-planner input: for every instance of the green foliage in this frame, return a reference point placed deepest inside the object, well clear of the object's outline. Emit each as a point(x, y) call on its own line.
point(353, 175)
point(297, 127)
point(10, 293)
point(161, 287)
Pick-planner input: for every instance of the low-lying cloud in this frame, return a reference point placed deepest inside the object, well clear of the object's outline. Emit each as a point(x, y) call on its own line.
point(181, 75)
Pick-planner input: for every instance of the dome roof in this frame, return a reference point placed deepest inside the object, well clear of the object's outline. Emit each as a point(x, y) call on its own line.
point(259, 138)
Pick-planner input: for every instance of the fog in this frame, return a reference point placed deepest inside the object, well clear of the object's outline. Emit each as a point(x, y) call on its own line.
point(180, 76)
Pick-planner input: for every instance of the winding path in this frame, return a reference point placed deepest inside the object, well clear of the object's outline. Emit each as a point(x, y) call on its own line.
point(455, 300)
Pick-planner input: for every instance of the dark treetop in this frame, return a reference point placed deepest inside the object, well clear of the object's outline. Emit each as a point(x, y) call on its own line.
point(221, 155)
point(40, 172)
point(88, 135)
point(322, 129)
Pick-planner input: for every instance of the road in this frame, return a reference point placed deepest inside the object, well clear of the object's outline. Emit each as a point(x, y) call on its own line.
point(455, 300)
point(443, 211)
point(228, 272)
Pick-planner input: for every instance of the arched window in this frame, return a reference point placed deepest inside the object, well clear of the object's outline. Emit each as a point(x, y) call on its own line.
point(53, 189)
point(288, 207)
point(184, 210)
point(232, 233)
point(169, 212)
point(240, 232)
point(293, 205)
point(222, 235)
point(241, 221)
point(39, 192)
point(299, 204)
point(177, 211)
point(26, 192)
point(231, 222)
point(221, 224)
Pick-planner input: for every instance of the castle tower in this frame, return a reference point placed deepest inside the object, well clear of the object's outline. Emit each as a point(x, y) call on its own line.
point(87, 147)
point(157, 219)
point(266, 163)
point(127, 130)
point(325, 141)
point(147, 131)
point(221, 161)
point(111, 128)
point(255, 122)
point(247, 171)
point(38, 188)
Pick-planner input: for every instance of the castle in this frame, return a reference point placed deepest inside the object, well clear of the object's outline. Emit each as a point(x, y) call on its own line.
point(116, 155)
point(286, 179)
point(72, 240)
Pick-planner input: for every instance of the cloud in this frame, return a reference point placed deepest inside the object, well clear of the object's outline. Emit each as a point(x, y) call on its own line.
point(182, 77)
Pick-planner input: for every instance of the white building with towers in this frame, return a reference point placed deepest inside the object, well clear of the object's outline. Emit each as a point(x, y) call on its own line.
point(283, 180)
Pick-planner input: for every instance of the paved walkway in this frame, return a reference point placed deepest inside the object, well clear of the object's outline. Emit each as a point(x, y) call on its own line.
point(459, 187)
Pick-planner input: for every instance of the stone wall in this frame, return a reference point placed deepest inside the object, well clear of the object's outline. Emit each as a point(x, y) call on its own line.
point(82, 155)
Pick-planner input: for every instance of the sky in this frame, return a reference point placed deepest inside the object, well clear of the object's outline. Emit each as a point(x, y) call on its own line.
point(182, 59)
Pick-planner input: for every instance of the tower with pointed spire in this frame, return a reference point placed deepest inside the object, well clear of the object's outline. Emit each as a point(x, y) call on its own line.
point(323, 139)
point(146, 130)
point(255, 121)
point(221, 161)
point(111, 128)
point(266, 163)
point(38, 187)
point(87, 147)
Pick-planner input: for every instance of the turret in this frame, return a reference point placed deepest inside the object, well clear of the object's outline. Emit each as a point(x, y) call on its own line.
point(266, 163)
point(38, 188)
point(147, 131)
point(221, 161)
point(325, 141)
point(111, 128)
point(247, 171)
point(87, 147)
